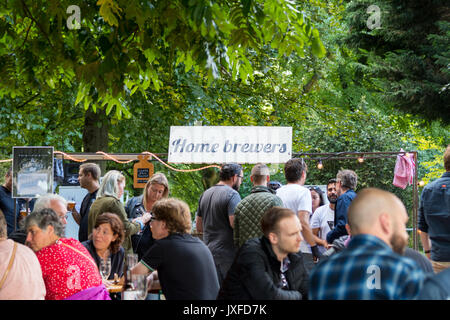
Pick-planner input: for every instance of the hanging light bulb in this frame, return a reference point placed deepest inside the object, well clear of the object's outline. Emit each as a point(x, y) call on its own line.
point(421, 183)
point(320, 165)
point(361, 159)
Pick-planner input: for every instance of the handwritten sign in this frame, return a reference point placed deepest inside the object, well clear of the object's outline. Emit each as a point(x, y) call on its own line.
point(220, 144)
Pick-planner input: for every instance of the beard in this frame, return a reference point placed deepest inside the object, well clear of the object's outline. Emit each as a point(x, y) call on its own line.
point(332, 199)
point(398, 243)
point(236, 186)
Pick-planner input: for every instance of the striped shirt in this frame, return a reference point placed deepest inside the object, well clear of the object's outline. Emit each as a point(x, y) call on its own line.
point(367, 270)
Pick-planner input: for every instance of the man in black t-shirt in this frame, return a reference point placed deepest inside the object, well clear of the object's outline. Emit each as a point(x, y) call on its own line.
point(88, 177)
point(180, 264)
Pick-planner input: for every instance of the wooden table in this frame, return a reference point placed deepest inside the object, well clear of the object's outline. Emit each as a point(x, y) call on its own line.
point(114, 288)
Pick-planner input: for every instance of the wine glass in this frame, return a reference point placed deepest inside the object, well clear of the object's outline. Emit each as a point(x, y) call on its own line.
point(132, 260)
point(105, 268)
point(140, 285)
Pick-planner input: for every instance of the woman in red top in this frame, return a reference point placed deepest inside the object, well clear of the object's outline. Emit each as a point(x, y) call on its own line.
point(68, 270)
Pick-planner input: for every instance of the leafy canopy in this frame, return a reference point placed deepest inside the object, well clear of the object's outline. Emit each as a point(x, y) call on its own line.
point(120, 44)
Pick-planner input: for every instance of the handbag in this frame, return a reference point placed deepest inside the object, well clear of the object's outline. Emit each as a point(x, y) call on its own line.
point(11, 261)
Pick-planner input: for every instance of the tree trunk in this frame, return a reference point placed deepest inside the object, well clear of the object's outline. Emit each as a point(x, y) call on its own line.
point(210, 177)
point(95, 134)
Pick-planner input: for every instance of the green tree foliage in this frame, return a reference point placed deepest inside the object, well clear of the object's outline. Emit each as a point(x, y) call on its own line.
point(408, 54)
point(168, 68)
point(121, 44)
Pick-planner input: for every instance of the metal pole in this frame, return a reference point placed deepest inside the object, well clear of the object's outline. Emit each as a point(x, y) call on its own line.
point(415, 203)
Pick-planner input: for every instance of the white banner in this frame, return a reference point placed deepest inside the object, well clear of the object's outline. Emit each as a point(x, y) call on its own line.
point(221, 144)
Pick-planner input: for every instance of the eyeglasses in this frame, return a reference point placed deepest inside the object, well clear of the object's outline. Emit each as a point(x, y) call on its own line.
point(240, 177)
point(153, 219)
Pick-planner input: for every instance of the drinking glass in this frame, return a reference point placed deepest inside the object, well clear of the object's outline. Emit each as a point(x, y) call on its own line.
point(105, 268)
point(132, 260)
point(140, 284)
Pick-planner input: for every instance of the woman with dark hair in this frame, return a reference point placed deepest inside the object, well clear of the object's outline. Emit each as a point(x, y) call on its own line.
point(68, 270)
point(108, 200)
point(317, 201)
point(106, 242)
point(316, 197)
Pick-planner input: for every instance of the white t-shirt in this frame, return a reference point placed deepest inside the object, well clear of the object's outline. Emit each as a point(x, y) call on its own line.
point(323, 218)
point(297, 198)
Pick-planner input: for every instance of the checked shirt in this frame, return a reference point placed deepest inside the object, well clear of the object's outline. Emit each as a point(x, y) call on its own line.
point(367, 270)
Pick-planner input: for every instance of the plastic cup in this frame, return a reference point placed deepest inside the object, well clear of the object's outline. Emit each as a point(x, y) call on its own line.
point(70, 205)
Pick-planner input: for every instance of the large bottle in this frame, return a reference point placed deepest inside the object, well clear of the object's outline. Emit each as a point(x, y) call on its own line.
point(129, 291)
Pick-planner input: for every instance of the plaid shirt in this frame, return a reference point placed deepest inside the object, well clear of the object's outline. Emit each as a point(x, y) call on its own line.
point(367, 270)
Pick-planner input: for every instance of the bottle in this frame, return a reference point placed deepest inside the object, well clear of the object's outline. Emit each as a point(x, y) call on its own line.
point(129, 291)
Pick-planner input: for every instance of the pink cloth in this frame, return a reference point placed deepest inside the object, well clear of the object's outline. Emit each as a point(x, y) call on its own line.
point(94, 293)
point(24, 280)
point(404, 170)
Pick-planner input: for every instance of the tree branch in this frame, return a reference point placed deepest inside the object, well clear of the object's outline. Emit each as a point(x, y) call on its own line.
point(28, 101)
point(29, 15)
point(26, 36)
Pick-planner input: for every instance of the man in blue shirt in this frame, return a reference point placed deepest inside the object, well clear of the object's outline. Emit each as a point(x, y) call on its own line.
point(371, 267)
point(346, 181)
point(434, 218)
point(436, 286)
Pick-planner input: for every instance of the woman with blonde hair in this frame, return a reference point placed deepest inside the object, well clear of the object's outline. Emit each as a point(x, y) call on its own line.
point(156, 188)
point(108, 195)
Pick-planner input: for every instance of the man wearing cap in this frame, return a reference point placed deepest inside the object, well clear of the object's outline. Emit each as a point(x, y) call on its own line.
point(215, 216)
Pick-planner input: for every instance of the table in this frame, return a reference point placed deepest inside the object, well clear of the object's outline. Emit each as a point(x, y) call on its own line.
point(114, 288)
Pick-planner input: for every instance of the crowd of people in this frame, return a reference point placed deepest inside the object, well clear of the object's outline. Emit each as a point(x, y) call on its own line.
point(287, 242)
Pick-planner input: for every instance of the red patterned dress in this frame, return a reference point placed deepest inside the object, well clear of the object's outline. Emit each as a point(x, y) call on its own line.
point(67, 271)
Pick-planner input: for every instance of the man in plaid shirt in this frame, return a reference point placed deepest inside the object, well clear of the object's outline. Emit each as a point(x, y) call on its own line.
point(371, 267)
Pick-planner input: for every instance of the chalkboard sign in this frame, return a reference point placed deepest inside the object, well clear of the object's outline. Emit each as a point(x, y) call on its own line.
point(143, 170)
point(32, 171)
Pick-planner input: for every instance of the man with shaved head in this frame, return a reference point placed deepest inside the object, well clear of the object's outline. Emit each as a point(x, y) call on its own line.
point(249, 210)
point(371, 267)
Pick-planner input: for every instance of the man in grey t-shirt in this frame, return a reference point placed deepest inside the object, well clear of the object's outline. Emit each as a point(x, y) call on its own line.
point(215, 216)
